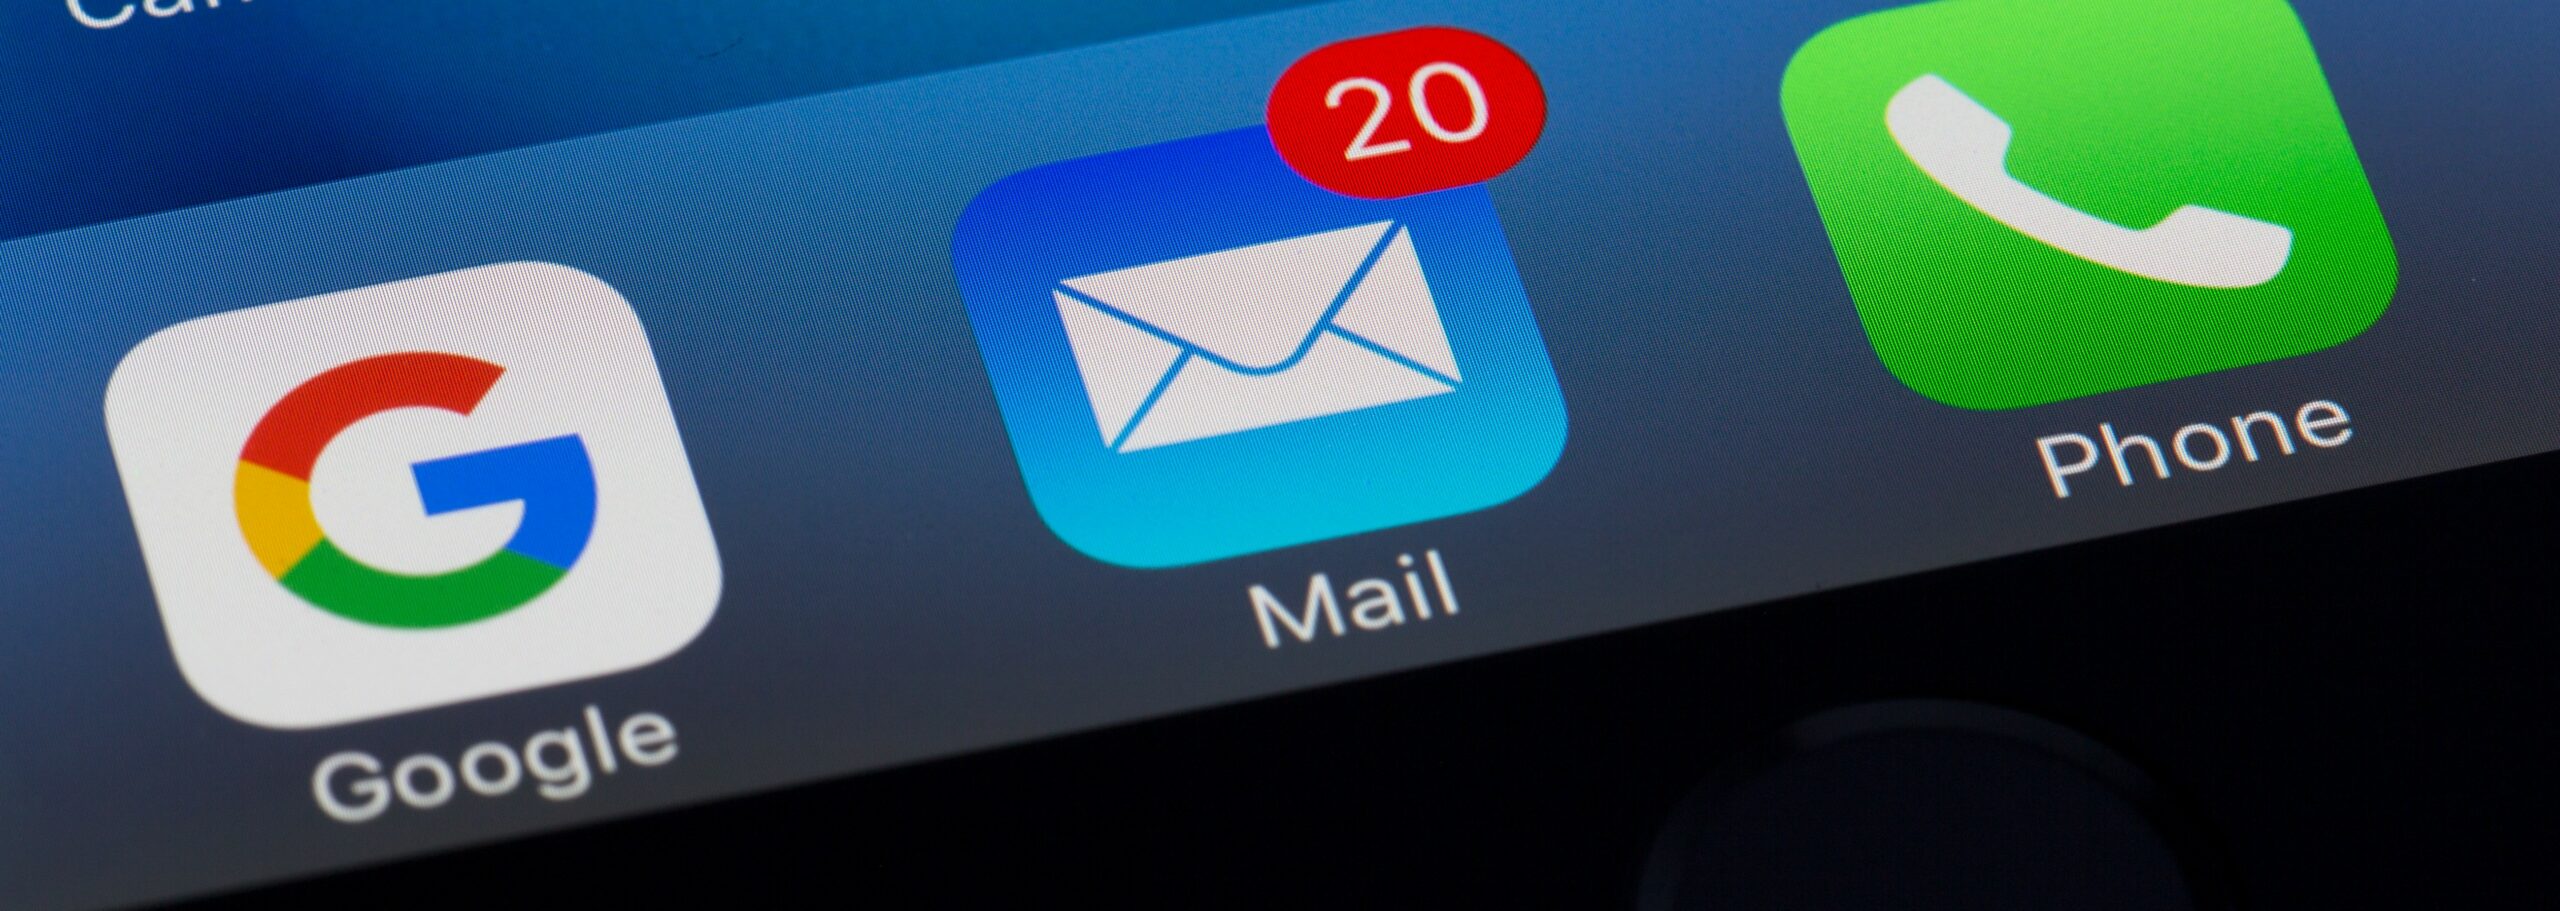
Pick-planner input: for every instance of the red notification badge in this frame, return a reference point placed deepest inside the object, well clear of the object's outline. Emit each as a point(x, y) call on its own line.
point(1406, 112)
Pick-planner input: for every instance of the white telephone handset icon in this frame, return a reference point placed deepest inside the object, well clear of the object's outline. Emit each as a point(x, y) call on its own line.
point(1965, 148)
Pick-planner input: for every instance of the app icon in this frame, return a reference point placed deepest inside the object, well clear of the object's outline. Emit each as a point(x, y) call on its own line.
point(2037, 200)
point(1198, 354)
point(411, 494)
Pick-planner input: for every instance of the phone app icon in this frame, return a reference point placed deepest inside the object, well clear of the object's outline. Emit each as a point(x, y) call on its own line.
point(2038, 200)
point(1199, 354)
point(411, 494)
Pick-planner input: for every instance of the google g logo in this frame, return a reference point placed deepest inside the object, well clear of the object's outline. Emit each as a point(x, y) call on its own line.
point(503, 499)
point(273, 494)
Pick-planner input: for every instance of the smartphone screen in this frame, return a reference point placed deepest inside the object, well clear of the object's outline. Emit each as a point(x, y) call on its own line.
point(1254, 453)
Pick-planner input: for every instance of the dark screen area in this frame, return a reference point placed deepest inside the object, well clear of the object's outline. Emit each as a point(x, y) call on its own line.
point(2344, 697)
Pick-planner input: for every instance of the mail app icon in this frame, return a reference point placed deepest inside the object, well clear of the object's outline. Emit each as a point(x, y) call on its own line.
point(1240, 339)
point(1198, 354)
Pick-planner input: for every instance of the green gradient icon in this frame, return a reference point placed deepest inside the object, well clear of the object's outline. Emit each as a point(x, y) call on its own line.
point(2037, 200)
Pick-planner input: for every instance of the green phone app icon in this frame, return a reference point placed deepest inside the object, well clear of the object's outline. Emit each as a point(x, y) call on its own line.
point(2038, 200)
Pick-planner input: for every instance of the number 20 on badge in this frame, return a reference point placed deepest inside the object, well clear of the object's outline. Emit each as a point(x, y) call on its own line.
point(1406, 112)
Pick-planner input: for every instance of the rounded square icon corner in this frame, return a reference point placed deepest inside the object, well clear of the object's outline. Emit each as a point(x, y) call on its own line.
point(411, 494)
point(1198, 354)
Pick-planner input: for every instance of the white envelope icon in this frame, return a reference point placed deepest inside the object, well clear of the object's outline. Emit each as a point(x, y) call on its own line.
point(1256, 336)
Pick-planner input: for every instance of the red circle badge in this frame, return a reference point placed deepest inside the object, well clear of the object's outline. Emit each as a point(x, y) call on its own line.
point(1406, 112)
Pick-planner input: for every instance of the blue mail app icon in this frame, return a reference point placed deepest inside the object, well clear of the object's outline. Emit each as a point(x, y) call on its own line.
point(1198, 354)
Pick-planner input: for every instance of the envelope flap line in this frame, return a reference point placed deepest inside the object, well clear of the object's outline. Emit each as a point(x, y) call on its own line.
point(1252, 309)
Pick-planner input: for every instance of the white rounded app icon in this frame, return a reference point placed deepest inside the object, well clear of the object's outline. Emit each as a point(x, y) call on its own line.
point(411, 494)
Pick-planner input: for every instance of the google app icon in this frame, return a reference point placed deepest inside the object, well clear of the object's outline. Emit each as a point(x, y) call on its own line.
point(411, 494)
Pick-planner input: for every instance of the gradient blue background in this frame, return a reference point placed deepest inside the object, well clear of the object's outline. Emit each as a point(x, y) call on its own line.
point(259, 96)
point(1487, 442)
